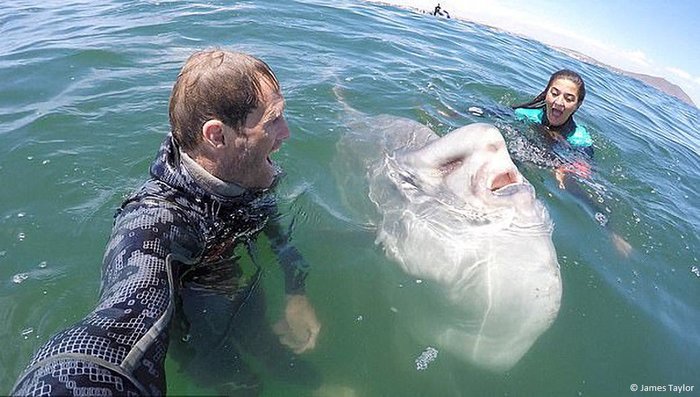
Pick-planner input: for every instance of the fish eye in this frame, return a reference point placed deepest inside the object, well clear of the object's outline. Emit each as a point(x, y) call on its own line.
point(494, 147)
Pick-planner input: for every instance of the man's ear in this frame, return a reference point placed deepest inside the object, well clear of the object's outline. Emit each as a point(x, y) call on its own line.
point(213, 133)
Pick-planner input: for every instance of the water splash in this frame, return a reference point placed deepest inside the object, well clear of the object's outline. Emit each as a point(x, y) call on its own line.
point(426, 357)
point(476, 111)
point(601, 218)
point(19, 278)
point(695, 270)
point(26, 332)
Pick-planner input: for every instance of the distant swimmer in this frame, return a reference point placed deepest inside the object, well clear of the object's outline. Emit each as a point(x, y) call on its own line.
point(439, 12)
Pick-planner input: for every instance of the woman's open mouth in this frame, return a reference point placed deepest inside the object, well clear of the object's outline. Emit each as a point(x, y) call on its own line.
point(557, 113)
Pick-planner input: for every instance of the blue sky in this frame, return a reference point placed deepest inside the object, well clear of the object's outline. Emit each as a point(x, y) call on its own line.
point(658, 38)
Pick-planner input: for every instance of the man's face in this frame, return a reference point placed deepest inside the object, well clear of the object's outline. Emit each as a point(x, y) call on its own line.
point(561, 101)
point(264, 130)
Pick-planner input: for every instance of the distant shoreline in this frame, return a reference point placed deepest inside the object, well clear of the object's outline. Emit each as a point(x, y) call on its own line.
point(658, 83)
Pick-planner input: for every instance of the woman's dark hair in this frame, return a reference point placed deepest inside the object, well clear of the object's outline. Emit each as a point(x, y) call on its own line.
point(570, 75)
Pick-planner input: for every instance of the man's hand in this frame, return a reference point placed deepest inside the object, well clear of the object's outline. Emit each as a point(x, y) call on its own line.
point(299, 328)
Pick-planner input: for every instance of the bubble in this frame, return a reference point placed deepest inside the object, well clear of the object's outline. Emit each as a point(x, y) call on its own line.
point(21, 215)
point(18, 278)
point(426, 357)
point(42, 265)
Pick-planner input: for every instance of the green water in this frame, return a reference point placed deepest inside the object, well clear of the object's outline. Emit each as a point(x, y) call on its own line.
point(83, 108)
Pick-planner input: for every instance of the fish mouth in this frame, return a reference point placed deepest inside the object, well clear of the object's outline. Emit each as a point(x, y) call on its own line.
point(504, 180)
point(510, 189)
point(508, 183)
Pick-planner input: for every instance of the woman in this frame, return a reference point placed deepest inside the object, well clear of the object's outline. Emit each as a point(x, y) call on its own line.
point(554, 108)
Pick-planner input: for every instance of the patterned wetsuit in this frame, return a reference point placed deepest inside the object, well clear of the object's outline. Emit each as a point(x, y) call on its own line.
point(172, 225)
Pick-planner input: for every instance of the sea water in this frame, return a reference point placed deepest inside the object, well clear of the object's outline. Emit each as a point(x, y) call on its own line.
point(84, 90)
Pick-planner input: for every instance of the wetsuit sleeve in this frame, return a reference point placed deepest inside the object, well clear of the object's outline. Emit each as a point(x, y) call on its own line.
point(295, 268)
point(587, 150)
point(119, 348)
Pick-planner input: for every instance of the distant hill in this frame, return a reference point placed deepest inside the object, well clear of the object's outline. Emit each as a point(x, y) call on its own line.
point(659, 83)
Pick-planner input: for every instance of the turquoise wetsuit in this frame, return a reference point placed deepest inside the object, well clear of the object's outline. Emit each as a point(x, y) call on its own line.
point(577, 136)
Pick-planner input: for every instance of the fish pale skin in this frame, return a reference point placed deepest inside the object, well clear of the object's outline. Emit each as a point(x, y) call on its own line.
point(458, 212)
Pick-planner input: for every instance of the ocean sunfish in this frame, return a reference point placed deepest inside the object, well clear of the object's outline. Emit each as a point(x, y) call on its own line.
point(455, 210)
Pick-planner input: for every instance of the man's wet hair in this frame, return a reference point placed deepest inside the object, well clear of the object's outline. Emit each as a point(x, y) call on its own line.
point(216, 84)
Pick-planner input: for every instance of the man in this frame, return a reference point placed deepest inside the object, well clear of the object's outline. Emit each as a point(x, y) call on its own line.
point(173, 241)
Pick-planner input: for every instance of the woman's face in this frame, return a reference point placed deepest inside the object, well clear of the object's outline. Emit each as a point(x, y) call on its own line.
point(561, 101)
